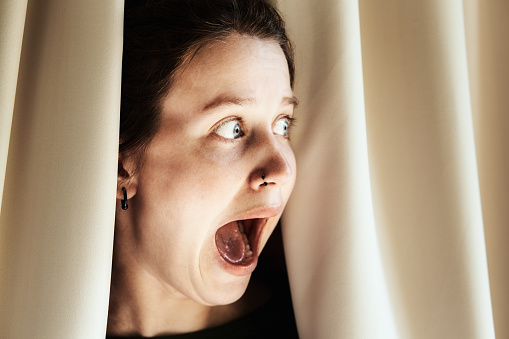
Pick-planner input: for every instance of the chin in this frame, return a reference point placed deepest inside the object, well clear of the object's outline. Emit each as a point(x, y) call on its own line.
point(226, 293)
point(221, 280)
point(211, 283)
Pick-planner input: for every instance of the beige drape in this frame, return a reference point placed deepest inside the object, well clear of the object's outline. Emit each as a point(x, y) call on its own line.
point(59, 161)
point(403, 169)
point(398, 222)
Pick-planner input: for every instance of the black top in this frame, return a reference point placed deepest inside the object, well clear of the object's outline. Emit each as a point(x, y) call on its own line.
point(272, 320)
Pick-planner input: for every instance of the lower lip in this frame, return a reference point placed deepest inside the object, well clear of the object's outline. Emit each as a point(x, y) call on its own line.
point(239, 270)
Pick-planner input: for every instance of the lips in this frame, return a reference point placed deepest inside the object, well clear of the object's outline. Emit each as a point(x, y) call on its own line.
point(237, 241)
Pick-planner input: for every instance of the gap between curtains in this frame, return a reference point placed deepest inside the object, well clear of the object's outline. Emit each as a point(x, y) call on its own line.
point(400, 205)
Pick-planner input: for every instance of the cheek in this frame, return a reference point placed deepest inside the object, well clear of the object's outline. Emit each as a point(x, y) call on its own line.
point(191, 179)
point(219, 155)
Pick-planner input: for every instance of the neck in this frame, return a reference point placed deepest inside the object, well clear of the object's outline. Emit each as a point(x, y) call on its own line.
point(141, 304)
point(140, 307)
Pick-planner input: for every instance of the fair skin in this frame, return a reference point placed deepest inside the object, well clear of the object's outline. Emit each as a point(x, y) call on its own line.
point(224, 124)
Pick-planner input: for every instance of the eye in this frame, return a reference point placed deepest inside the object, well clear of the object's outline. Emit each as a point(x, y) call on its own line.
point(229, 130)
point(282, 126)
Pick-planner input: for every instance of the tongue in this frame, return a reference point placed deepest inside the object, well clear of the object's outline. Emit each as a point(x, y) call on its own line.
point(230, 244)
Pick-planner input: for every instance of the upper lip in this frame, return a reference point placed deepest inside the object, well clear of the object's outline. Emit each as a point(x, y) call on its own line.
point(258, 212)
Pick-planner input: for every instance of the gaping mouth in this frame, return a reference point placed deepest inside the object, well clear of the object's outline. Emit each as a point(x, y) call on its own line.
point(237, 241)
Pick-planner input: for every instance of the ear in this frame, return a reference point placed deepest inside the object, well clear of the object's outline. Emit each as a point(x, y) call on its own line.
point(126, 177)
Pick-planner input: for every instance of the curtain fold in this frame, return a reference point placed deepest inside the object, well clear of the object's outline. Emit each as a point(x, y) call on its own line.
point(488, 52)
point(12, 23)
point(436, 159)
point(397, 227)
point(423, 165)
point(57, 216)
point(333, 256)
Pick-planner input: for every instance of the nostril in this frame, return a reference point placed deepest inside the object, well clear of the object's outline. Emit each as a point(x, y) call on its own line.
point(275, 168)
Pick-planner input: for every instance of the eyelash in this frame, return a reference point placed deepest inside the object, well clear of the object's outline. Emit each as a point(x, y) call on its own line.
point(226, 140)
point(291, 122)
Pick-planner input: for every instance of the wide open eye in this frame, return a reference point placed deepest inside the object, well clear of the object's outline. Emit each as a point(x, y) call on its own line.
point(282, 127)
point(229, 130)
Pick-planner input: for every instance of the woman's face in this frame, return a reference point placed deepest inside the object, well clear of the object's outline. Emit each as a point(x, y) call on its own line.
point(224, 126)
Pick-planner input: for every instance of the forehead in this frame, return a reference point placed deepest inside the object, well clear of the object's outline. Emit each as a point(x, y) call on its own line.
point(242, 65)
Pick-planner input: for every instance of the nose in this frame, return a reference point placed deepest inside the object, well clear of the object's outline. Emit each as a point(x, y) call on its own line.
point(275, 165)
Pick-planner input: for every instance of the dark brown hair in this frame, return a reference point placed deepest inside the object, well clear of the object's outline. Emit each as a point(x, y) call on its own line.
point(161, 35)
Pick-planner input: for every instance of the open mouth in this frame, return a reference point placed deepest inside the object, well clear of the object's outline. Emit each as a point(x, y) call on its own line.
point(237, 241)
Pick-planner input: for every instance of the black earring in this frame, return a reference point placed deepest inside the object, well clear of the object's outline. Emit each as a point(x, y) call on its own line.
point(263, 178)
point(124, 201)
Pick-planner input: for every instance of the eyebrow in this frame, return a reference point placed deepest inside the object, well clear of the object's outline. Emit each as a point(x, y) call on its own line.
point(227, 100)
point(293, 101)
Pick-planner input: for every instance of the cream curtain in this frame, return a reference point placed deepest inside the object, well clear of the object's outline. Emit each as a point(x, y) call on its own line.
point(397, 224)
point(401, 200)
point(60, 64)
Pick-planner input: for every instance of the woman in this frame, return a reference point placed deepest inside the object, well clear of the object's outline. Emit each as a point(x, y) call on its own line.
point(205, 164)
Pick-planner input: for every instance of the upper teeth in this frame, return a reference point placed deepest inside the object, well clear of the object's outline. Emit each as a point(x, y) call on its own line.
point(249, 253)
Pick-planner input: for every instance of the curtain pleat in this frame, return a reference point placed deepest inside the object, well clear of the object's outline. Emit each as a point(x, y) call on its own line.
point(57, 216)
point(420, 192)
point(487, 30)
point(334, 262)
point(12, 23)
point(423, 166)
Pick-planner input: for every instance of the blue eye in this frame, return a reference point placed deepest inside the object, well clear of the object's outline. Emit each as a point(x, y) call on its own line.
point(282, 127)
point(229, 130)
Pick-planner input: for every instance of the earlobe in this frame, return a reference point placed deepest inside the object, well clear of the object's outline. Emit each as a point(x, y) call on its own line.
point(127, 182)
